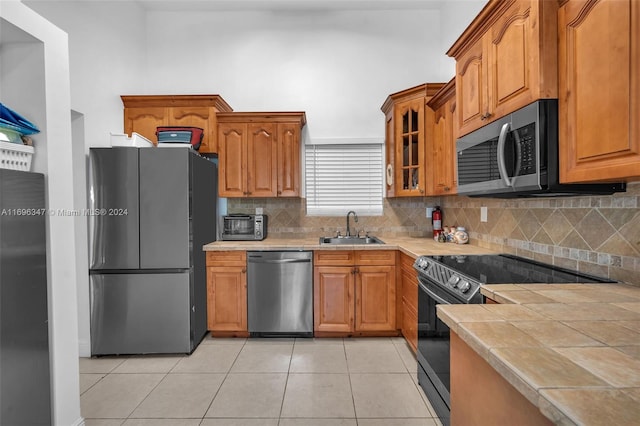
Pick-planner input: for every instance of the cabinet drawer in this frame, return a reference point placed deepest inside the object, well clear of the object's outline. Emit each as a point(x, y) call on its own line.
point(333, 258)
point(375, 257)
point(410, 325)
point(410, 290)
point(406, 263)
point(227, 258)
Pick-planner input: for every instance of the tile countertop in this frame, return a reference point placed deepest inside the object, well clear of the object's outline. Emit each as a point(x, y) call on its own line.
point(414, 247)
point(573, 350)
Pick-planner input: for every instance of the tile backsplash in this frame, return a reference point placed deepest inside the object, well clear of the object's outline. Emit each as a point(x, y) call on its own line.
point(598, 235)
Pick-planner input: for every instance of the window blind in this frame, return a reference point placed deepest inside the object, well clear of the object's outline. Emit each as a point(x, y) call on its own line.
point(340, 177)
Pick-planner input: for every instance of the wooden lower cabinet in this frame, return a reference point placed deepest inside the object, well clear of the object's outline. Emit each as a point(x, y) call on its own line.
point(410, 325)
point(227, 293)
point(355, 292)
point(481, 396)
point(333, 299)
point(409, 283)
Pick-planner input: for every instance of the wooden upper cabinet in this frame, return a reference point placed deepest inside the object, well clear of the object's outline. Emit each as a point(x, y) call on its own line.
point(259, 154)
point(405, 140)
point(262, 160)
point(143, 114)
point(288, 165)
point(471, 82)
point(505, 59)
point(144, 121)
point(232, 158)
point(599, 103)
point(203, 117)
point(441, 147)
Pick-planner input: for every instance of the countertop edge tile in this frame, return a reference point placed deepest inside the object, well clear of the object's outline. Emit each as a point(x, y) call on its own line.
point(537, 391)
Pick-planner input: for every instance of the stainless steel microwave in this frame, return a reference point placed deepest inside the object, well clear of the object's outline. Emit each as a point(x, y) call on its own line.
point(517, 156)
point(244, 227)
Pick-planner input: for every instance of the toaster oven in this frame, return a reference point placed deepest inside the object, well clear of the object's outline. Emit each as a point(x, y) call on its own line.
point(244, 227)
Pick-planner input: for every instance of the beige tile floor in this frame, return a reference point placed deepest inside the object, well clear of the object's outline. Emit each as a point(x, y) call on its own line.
point(259, 382)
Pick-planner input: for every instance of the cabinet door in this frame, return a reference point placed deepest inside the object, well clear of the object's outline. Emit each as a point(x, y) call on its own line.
point(443, 151)
point(389, 146)
point(471, 91)
point(409, 155)
point(333, 299)
point(227, 298)
point(144, 121)
point(599, 103)
point(288, 160)
point(375, 298)
point(262, 160)
point(202, 117)
point(232, 172)
point(511, 43)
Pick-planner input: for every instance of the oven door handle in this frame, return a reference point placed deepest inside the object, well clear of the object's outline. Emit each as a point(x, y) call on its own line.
point(432, 294)
point(502, 166)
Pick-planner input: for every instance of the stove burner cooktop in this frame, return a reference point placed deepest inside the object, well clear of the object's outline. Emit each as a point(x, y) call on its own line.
point(504, 268)
point(461, 276)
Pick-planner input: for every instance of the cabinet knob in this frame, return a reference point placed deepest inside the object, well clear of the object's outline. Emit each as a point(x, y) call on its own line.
point(446, 188)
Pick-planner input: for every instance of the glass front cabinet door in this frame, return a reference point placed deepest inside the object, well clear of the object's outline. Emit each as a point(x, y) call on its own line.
point(406, 140)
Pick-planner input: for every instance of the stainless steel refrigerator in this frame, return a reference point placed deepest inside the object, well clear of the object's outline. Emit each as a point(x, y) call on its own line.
point(151, 211)
point(25, 396)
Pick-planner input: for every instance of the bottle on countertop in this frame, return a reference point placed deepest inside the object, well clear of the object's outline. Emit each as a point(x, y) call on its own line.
point(436, 216)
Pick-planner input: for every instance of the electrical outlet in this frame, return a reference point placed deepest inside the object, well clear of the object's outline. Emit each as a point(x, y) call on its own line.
point(429, 211)
point(259, 210)
point(483, 214)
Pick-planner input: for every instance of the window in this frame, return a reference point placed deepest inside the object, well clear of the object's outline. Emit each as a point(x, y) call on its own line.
point(343, 177)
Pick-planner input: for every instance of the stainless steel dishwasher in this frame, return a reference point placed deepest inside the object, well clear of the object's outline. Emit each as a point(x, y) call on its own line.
point(280, 293)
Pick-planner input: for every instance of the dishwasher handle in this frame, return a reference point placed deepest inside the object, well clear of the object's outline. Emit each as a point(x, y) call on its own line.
point(253, 260)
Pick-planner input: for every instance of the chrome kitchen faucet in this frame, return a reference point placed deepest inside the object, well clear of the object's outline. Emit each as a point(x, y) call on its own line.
point(355, 218)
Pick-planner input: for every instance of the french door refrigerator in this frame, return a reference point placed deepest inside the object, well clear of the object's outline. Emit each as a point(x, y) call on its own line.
point(151, 211)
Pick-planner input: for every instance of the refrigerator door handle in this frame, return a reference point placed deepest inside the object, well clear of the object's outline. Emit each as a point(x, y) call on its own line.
point(94, 247)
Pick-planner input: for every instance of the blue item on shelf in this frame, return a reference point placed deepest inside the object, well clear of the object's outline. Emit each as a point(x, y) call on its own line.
point(12, 120)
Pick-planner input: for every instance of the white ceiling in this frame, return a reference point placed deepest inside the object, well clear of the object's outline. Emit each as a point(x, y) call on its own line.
point(192, 5)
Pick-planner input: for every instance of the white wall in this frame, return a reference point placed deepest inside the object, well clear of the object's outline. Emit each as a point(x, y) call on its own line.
point(35, 81)
point(455, 16)
point(338, 66)
point(107, 58)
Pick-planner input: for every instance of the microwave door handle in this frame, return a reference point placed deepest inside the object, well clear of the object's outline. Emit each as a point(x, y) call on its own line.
point(502, 166)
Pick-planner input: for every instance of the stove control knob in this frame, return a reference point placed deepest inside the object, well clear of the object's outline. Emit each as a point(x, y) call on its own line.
point(464, 286)
point(453, 281)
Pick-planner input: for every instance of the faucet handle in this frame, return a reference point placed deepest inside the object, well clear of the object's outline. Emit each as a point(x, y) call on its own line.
point(338, 233)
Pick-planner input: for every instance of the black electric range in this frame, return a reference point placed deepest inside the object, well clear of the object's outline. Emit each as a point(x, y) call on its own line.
point(457, 280)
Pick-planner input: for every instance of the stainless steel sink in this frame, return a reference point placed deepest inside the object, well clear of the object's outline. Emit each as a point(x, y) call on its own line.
point(350, 240)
